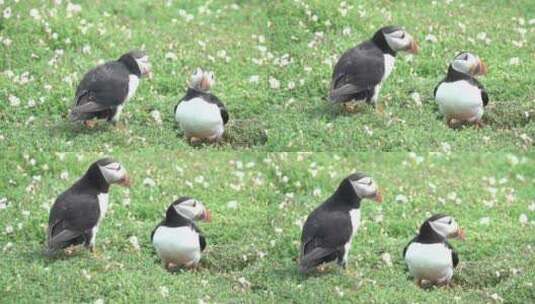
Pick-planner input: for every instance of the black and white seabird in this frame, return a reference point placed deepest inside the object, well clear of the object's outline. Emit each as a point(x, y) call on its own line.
point(329, 229)
point(177, 240)
point(429, 256)
point(105, 89)
point(77, 213)
point(460, 96)
point(200, 114)
point(361, 71)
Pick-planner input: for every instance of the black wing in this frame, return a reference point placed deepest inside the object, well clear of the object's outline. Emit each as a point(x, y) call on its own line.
point(484, 95)
point(70, 217)
point(454, 256)
point(324, 236)
point(357, 73)
point(436, 88)
point(154, 230)
point(224, 113)
point(202, 239)
point(106, 84)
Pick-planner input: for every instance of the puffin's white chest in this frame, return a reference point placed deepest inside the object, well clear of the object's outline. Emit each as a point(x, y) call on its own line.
point(432, 262)
point(389, 65)
point(460, 100)
point(133, 83)
point(354, 214)
point(199, 118)
point(103, 205)
point(179, 245)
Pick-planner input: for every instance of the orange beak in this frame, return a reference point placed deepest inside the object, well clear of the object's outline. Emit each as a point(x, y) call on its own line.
point(126, 181)
point(460, 234)
point(378, 197)
point(207, 216)
point(479, 69)
point(413, 47)
point(205, 84)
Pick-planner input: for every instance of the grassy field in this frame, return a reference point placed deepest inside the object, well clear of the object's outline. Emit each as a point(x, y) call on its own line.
point(46, 49)
point(252, 243)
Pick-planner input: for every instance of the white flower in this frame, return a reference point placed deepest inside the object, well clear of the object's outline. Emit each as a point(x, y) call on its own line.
point(7, 12)
point(164, 291)
point(346, 31)
point(431, 38)
point(512, 160)
point(155, 114)
point(99, 301)
point(531, 207)
point(316, 192)
point(34, 13)
point(86, 49)
point(232, 205)
point(274, 83)
point(415, 96)
point(484, 220)
point(149, 182)
point(244, 283)
point(171, 56)
point(134, 242)
point(14, 101)
point(73, 8)
point(64, 175)
point(400, 198)
point(523, 219)
point(387, 259)
point(254, 79)
point(9, 229)
point(514, 61)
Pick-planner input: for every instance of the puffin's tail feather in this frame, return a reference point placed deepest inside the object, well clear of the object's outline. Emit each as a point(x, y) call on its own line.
point(314, 258)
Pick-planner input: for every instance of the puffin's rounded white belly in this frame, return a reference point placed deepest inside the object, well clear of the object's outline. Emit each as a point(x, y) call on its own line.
point(179, 245)
point(432, 262)
point(460, 100)
point(199, 118)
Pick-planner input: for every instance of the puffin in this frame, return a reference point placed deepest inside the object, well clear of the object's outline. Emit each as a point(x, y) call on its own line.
point(200, 114)
point(76, 214)
point(104, 90)
point(177, 239)
point(459, 95)
point(329, 229)
point(429, 256)
point(361, 71)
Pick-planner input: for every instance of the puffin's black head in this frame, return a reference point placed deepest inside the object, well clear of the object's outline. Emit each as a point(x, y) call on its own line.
point(137, 62)
point(443, 226)
point(108, 171)
point(361, 186)
point(202, 80)
point(392, 39)
point(188, 208)
point(468, 63)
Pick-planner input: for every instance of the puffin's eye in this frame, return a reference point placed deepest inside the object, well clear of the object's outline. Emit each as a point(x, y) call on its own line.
point(402, 36)
point(194, 204)
point(449, 222)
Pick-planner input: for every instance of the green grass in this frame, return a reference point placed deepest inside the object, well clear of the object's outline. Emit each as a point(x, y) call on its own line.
point(258, 240)
point(255, 36)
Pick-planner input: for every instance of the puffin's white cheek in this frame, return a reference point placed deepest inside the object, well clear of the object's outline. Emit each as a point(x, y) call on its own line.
point(112, 176)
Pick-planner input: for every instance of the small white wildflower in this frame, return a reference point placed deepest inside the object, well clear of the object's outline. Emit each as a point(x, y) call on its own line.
point(232, 204)
point(484, 220)
point(387, 259)
point(134, 242)
point(254, 79)
point(274, 83)
point(155, 114)
point(431, 38)
point(164, 291)
point(7, 12)
point(400, 198)
point(64, 175)
point(514, 61)
point(171, 56)
point(149, 182)
point(523, 219)
point(14, 101)
point(9, 229)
